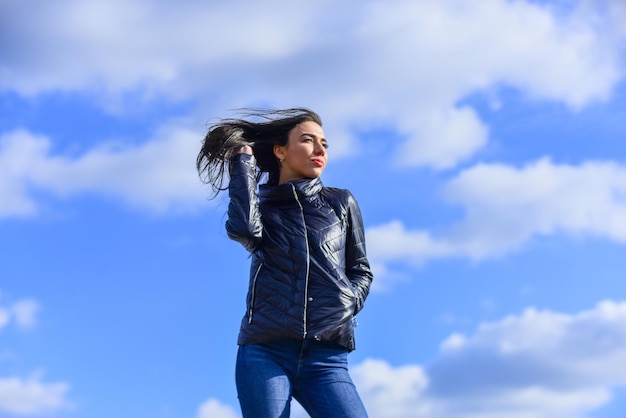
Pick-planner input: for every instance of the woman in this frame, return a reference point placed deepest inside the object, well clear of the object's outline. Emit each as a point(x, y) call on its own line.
point(309, 272)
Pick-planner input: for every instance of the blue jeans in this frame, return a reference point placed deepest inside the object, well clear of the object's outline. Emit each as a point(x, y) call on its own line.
point(314, 373)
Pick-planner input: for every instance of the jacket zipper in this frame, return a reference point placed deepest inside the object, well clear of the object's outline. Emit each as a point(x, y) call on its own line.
point(251, 307)
point(308, 261)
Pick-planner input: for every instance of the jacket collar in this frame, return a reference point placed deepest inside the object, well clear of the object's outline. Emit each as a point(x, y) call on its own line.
point(303, 187)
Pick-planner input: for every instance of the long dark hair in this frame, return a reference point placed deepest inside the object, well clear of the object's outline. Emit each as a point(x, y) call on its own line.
point(259, 128)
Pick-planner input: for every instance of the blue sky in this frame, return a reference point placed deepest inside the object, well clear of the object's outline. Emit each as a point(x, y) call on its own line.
point(483, 141)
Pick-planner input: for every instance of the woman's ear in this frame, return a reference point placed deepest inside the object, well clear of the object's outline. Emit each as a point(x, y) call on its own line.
point(279, 152)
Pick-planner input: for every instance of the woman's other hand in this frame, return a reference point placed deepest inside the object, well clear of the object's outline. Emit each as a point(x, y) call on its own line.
point(246, 149)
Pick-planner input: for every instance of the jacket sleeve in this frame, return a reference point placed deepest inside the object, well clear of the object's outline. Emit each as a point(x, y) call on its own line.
point(244, 219)
point(357, 266)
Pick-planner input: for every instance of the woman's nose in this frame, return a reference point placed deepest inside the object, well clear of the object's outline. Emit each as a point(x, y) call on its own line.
point(319, 149)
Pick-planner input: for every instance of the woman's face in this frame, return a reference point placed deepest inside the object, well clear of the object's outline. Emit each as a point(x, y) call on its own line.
point(304, 155)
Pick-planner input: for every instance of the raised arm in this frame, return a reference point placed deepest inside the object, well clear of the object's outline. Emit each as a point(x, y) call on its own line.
point(244, 219)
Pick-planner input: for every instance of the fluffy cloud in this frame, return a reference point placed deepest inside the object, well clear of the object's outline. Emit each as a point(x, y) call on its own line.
point(539, 364)
point(405, 66)
point(212, 408)
point(22, 312)
point(25, 313)
point(155, 46)
point(410, 44)
point(441, 139)
point(506, 207)
point(391, 391)
point(510, 205)
point(158, 176)
point(31, 397)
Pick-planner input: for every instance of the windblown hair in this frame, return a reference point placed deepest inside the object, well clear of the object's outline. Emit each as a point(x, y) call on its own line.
point(259, 128)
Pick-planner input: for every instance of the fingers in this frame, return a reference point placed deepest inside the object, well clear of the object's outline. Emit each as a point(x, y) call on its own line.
point(246, 149)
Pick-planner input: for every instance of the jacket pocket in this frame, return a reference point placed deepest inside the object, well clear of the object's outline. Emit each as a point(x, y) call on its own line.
point(348, 290)
point(253, 293)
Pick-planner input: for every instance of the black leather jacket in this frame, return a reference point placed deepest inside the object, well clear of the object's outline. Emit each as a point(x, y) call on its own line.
point(309, 272)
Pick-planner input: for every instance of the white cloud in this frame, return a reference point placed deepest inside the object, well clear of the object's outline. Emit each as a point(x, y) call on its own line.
point(441, 139)
point(506, 207)
point(27, 396)
point(405, 65)
point(31, 397)
point(212, 408)
point(511, 205)
point(22, 312)
point(154, 45)
point(25, 313)
point(4, 318)
point(391, 243)
point(158, 175)
point(391, 392)
point(539, 364)
point(16, 153)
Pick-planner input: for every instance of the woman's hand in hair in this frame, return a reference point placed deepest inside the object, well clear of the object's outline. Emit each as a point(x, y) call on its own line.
point(246, 149)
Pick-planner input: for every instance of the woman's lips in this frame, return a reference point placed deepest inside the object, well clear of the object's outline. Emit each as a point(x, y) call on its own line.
point(318, 162)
